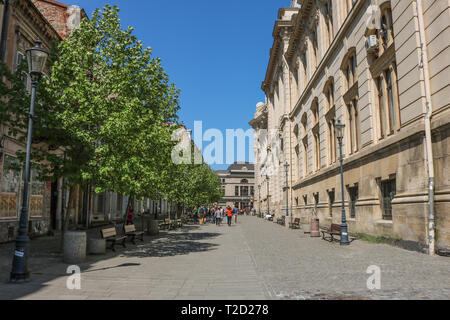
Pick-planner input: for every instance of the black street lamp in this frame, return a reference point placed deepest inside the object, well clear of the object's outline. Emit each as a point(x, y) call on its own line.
point(344, 228)
point(268, 201)
point(286, 169)
point(259, 200)
point(37, 58)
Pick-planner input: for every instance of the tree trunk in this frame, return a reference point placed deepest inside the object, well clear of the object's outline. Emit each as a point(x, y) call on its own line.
point(66, 213)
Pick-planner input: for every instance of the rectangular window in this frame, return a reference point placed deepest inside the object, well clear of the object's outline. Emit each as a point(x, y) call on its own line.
point(236, 191)
point(351, 128)
point(37, 195)
point(353, 194)
point(391, 101)
point(10, 185)
point(305, 158)
point(381, 107)
point(252, 191)
point(388, 192)
point(356, 124)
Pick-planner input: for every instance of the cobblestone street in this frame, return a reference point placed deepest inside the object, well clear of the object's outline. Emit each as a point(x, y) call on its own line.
point(254, 259)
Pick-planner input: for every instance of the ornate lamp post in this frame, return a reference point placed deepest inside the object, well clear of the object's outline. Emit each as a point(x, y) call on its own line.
point(268, 201)
point(286, 169)
point(37, 58)
point(344, 228)
point(259, 200)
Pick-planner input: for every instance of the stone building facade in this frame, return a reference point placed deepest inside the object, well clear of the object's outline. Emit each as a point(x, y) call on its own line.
point(379, 67)
point(238, 185)
point(21, 24)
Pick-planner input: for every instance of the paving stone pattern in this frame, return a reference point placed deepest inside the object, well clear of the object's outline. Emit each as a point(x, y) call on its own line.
point(253, 260)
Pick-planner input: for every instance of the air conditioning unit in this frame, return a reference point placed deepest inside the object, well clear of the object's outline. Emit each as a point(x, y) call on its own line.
point(372, 44)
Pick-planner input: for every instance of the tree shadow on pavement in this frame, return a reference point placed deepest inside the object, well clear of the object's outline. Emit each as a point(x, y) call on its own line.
point(46, 262)
point(174, 244)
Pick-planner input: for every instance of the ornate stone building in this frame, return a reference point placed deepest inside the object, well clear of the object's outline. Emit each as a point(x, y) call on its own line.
point(21, 23)
point(379, 67)
point(238, 185)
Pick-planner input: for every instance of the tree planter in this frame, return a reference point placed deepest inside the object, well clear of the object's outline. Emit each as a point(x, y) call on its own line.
point(74, 247)
point(315, 230)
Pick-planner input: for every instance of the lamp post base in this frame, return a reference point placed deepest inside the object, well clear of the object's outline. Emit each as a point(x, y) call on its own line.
point(344, 235)
point(20, 278)
point(20, 271)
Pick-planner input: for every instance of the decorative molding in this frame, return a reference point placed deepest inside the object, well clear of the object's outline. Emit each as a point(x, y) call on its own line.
point(383, 62)
point(351, 93)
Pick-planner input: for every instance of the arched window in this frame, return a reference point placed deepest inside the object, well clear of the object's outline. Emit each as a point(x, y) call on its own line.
point(328, 15)
point(316, 132)
point(331, 120)
point(386, 33)
point(315, 48)
point(387, 102)
point(304, 121)
point(349, 68)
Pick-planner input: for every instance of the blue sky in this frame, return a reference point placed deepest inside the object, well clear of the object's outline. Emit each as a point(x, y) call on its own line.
point(216, 52)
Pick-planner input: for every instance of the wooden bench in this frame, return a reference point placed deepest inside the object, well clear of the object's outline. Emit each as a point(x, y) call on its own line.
point(163, 224)
point(130, 231)
point(110, 235)
point(282, 220)
point(187, 220)
point(295, 224)
point(172, 224)
point(334, 230)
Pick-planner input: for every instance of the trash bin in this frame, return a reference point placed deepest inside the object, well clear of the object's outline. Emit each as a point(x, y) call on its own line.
point(152, 227)
point(315, 228)
point(74, 247)
point(96, 246)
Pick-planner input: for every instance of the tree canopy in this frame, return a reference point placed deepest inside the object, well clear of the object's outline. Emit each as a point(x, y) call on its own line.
point(105, 116)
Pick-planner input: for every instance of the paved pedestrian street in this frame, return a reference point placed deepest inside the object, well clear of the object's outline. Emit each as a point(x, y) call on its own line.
point(254, 259)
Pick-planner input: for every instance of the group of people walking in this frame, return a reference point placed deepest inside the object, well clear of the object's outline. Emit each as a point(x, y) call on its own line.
point(216, 215)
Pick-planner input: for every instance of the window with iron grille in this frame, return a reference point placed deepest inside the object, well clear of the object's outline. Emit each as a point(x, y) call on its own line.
point(236, 191)
point(316, 201)
point(388, 192)
point(353, 193)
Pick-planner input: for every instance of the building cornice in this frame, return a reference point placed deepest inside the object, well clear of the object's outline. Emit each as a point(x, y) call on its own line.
point(42, 25)
point(280, 26)
point(328, 55)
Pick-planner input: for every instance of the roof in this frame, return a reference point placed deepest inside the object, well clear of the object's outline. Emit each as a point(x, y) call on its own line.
point(238, 166)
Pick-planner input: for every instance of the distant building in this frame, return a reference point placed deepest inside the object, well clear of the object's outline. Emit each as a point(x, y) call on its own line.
point(238, 183)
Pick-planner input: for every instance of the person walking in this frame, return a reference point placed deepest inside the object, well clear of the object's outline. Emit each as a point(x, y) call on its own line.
point(229, 216)
point(236, 212)
point(130, 215)
point(218, 215)
point(195, 214)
